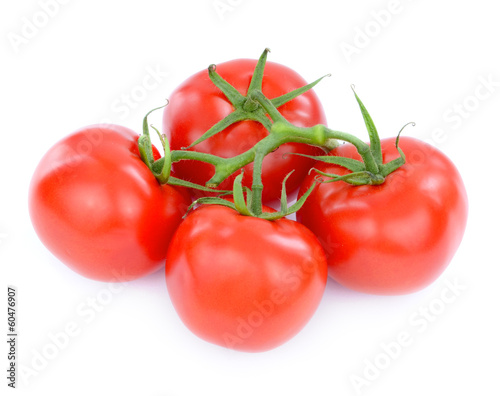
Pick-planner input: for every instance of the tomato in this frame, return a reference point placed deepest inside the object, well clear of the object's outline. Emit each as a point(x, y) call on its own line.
point(243, 282)
point(393, 238)
point(98, 208)
point(197, 104)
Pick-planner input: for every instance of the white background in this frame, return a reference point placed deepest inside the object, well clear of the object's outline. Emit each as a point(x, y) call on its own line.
point(424, 61)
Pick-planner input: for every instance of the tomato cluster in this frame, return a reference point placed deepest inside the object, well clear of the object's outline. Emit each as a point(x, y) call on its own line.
point(383, 217)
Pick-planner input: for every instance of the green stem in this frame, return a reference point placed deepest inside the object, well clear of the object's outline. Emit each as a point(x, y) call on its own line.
point(321, 133)
point(370, 171)
point(257, 186)
point(178, 155)
point(268, 106)
point(362, 148)
point(281, 133)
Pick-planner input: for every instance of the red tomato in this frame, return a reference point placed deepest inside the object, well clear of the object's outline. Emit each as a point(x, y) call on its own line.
point(394, 238)
point(197, 104)
point(98, 208)
point(242, 282)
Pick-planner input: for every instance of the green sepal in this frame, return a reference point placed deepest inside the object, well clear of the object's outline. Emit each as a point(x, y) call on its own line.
point(174, 181)
point(239, 197)
point(248, 194)
point(235, 116)
point(146, 150)
point(391, 166)
point(227, 89)
point(162, 174)
point(284, 197)
point(290, 210)
point(145, 125)
point(268, 106)
point(145, 140)
point(300, 202)
point(210, 201)
point(281, 100)
point(375, 146)
point(246, 107)
point(242, 206)
point(258, 73)
point(350, 163)
point(285, 209)
point(355, 178)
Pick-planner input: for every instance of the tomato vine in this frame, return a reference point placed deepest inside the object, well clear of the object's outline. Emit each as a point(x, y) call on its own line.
point(257, 107)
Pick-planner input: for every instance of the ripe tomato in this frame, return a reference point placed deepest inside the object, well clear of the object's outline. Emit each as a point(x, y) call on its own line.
point(197, 104)
point(98, 208)
point(392, 238)
point(242, 282)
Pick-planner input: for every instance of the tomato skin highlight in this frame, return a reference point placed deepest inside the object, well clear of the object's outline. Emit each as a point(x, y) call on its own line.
point(242, 282)
point(98, 208)
point(197, 104)
point(394, 238)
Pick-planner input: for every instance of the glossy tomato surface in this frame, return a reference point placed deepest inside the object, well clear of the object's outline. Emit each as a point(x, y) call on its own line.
point(197, 104)
point(98, 208)
point(241, 282)
point(394, 238)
